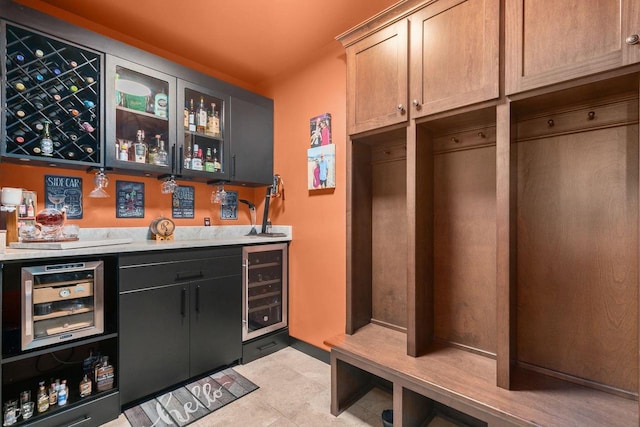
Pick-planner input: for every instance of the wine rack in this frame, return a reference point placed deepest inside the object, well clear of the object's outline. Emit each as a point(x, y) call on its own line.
point(54, 82)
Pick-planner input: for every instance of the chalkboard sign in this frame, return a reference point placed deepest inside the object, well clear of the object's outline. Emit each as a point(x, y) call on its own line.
point(130, 201)
point(182, 202)
point(64, 191)
point(229, 210)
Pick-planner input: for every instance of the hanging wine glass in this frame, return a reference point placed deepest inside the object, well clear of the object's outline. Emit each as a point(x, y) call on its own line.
point(169, 185)
point(219, 195)
point(101, 182)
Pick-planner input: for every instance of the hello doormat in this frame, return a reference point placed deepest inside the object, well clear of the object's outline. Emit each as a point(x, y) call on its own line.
point(191, 402)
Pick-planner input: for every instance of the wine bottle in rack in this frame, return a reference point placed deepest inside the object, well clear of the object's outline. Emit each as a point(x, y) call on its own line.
point(37, 126)
point(19, 58)
point(46, 144)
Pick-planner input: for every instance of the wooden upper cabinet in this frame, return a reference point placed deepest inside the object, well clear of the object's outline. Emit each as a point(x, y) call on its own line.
point(550, 41)
point(377, 79)
point(454, 55)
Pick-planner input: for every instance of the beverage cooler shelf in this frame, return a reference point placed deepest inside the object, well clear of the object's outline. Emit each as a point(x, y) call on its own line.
point(52, 99)
point(259, 284)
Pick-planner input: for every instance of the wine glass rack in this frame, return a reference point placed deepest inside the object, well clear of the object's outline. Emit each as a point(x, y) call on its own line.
point(48, 80)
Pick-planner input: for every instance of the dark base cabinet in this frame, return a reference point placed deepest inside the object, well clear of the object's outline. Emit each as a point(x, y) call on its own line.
point(181, 316)
point(90, 414)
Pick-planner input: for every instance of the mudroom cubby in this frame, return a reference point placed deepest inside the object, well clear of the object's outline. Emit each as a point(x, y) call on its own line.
point(574, 209)
point(378, 276)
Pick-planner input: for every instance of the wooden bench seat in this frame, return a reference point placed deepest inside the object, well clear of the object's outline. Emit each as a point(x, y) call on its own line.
point(466, 382)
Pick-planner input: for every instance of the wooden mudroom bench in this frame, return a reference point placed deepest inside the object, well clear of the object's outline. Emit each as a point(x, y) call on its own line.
point(464, 381)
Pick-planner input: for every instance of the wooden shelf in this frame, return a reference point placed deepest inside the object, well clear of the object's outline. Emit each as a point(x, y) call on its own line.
point(467, 382)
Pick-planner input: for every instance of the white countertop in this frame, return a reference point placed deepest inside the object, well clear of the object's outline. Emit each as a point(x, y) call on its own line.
point(184, 238)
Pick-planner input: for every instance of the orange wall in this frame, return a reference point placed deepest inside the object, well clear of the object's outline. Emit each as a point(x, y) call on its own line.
point(317, 267)
point(102, 212)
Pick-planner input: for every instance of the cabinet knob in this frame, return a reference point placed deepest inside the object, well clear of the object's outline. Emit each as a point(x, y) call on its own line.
point(400, 108)
point(417, 104)
point(632, 39)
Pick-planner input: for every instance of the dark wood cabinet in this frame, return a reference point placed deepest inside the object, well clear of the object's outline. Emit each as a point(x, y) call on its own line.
point(549, 42)
point(154, 342)
point(378, 79)
point(251, 146)
point(181, 313)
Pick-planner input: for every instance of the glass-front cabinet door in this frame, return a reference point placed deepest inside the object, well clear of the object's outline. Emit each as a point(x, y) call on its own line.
point(52, 99)
point(141, 117)
point(202, 140)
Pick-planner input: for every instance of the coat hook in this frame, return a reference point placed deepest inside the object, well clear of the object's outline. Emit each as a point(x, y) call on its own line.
point(454, 139)
point(550, 122)
point(481, 135)
point(591, 115)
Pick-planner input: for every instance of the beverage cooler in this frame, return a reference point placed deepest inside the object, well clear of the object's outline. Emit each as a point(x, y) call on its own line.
point(264, 291)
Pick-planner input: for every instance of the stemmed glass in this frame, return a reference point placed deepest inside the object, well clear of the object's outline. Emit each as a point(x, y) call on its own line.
point(219, 195)
point(101, 182)
point(56, 199)
point(169, 185)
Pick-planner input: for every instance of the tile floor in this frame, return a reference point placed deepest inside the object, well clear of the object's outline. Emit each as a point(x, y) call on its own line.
point(295, 391)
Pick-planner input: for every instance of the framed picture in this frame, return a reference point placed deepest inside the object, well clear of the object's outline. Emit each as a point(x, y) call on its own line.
point(182, 202)
point(64, 191)
point(321, 167)
point(130, 199)
point(229, 210)
point(320, 127)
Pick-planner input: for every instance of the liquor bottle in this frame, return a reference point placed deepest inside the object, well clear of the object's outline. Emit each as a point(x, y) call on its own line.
point(62, 393)
point(192, 117)
point(46, 144)
point(123, 155)
point(160, 104)
point(162, 155)
point(196, 160)
point(31, 209)
point(53, 394)
point(140, 148)
point(213, 127)
point(22, 208)
point(201, 118)
point(187, 156)
point(216, 164)
point(85, 386)
point(208, 161)
point(42, 399)
point(186, 117)
point(105, 375)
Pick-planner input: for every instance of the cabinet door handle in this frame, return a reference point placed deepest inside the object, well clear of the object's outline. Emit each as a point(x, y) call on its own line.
point(198, 299)
point(417, 104)
point(181, 159)
point(183, 308)
point(400, 108)
point(632, 39)
point(233, 169)
point(173, 158)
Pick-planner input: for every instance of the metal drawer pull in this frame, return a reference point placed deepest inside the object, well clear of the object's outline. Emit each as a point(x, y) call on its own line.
point(266, 346)
point(632, 39)
point(77, 423)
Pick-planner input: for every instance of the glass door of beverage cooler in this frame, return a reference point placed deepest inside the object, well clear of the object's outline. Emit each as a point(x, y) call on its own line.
point(203, 143)
point(141, 115)
point(265, 289)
